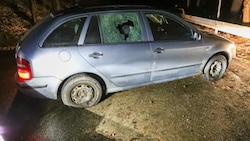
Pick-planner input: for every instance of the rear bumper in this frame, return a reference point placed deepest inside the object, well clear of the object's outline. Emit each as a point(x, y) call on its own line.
point(43, 87)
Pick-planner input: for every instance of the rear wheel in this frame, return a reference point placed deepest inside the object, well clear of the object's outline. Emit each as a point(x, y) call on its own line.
point(215, 68)
point(81, 91)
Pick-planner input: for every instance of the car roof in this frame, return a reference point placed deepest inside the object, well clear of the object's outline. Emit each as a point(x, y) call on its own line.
point(75, 10)
point(118, 7)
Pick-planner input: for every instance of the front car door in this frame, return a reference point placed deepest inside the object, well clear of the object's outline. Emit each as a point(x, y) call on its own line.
point(114, 45)
point(175, 54)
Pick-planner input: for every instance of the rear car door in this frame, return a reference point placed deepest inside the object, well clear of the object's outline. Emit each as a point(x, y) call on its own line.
point(114, 45)
point(175, 53)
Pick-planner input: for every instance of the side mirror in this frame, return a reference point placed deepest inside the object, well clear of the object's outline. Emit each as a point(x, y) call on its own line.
point(196, 36)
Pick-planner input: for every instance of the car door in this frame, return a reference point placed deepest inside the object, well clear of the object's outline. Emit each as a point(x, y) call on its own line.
point(175, 53)
point(114, 45)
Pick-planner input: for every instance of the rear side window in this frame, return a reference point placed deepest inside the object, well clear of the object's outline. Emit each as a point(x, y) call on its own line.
point(66, 34)
point(93, 33)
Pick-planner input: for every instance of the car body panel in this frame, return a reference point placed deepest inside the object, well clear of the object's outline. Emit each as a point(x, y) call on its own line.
point(181, 58)
point(217, 45)
point(40, 87)
point(120, 66)
point(124, 64)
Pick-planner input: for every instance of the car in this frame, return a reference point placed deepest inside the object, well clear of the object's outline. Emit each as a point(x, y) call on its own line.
point(79, 55)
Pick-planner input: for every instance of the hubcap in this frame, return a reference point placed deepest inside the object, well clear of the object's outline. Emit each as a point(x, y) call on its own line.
point(82, 94)
point(216, 68)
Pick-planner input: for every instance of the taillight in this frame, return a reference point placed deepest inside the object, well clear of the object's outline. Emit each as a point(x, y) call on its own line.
point(23, 70)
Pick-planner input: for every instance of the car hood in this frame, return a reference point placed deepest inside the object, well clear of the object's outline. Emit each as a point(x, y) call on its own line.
point(208, 37)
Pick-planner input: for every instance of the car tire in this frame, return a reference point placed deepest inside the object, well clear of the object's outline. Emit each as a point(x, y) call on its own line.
point(81, 91)
point(215, 68)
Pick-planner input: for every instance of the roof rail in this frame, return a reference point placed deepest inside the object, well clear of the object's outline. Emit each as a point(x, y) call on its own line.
point(118, 6)
point(96, 8)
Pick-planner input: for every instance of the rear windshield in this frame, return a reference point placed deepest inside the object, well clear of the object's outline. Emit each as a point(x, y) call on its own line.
point(46, 19)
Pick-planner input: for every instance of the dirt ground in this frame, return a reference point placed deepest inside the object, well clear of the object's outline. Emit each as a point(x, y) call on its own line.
point(189, 109)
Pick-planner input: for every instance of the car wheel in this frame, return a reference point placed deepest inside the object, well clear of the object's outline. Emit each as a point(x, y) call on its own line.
point(81, 91)
point(215, 68)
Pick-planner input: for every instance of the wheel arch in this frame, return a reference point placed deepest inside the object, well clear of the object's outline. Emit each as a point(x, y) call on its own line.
point(225, 54)
point(95, 76)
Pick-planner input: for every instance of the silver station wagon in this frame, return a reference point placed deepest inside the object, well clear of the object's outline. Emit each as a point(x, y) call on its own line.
point(79, 55)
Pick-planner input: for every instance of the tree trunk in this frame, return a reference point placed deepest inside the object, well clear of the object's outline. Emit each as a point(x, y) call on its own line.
point(56, 5)
point(198, 2)
point(236, 6)
point(188, 3)
point(76, 2)
point(246, 11)
point(33, 10)
point(235, 10)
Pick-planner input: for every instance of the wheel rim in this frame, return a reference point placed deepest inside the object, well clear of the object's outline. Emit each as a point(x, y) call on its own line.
point(82, 94)
point(216, 68)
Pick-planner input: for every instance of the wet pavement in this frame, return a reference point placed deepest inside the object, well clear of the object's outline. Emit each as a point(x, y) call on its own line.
point(34, 120)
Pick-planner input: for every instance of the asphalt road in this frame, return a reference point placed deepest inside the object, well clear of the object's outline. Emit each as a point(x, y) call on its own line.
point(188, 109)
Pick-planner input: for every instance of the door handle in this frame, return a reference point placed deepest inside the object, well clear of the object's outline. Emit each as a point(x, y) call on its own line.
point(159, 50)
point(96, 55)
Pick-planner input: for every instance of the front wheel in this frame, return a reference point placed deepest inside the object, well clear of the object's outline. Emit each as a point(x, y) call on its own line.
point(81, 91)
point(215, 68)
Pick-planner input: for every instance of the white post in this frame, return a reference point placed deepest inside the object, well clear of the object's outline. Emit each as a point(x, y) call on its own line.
point(219, 8)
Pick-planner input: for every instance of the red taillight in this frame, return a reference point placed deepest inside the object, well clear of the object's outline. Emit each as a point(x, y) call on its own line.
point(23, 70)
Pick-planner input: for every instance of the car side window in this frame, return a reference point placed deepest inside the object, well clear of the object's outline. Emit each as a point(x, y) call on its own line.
point(93, 33)
point(165, 28)
point(66, 34)
point(120, 27)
